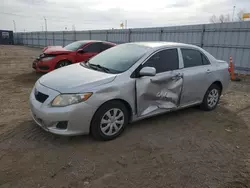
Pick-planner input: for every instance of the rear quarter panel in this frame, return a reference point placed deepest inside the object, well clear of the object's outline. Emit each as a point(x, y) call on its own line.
point(220, 70)
point(221, 74)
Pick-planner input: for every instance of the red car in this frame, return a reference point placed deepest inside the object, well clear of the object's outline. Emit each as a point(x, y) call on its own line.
point(54, 57)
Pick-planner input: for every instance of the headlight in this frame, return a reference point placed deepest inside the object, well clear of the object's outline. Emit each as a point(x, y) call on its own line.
point(47, 58)
point(68, 99)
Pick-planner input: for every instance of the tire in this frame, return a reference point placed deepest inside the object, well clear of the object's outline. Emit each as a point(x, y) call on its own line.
point(62, 63)
point(211, 98)
point(105, 128)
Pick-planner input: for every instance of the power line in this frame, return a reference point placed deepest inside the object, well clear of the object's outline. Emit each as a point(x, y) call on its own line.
point(64, 19)
point(107, 23)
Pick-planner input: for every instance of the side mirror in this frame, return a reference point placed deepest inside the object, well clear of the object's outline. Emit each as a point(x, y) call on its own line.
point(81, 51)
point(147, 71)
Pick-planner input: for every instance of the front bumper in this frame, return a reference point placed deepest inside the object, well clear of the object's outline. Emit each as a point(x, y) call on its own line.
point(77, 116)
point(41, 66)
point(34, 64)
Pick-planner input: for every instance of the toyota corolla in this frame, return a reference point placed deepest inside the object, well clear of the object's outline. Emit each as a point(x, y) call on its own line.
point(126, 83)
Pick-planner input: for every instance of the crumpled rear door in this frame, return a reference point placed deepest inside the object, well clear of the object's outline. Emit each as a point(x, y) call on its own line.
point(159, 92)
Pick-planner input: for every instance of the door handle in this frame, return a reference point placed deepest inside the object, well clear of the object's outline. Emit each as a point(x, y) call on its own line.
point(177, 76)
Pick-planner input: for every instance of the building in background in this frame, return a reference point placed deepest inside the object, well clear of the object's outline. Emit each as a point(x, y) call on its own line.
point(6, 37)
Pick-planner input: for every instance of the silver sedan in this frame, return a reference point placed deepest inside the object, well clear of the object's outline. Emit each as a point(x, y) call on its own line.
point(126, 83)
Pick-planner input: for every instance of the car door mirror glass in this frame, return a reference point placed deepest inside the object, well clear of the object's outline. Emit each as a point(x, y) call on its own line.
point(147, 71)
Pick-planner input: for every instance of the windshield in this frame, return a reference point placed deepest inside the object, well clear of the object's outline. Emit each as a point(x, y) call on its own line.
point(74, 46)
point(119, 58)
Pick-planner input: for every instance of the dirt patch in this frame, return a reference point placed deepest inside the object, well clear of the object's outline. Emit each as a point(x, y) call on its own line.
point(189, 148)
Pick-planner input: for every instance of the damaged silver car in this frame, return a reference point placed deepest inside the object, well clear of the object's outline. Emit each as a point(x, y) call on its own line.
point(126, 83)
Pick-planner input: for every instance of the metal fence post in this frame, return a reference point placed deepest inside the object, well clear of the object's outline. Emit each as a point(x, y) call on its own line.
point(74, 35)
point(45, 38)
point(202, 35)
point(129, 35)
point(32, 39)
point(38, 36)
point(89, 35)
point(20, 38)
point(107, 35)
point(53, 38)
point(160, 36)
point(26, 36)
point(63, 37)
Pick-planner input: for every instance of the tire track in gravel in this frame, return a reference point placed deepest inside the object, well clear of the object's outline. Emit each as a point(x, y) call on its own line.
point(28, 132)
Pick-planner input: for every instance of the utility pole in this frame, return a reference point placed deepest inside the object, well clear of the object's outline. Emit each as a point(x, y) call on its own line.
point(14, 23)
point(45, 20)
point(46, 29)
point(233, 13)
point(126, 24)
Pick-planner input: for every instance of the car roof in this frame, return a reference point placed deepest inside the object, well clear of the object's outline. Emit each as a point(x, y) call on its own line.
point(159, 44)
point(91, 41)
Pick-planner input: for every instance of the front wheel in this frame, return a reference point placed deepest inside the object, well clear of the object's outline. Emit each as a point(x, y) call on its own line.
point(62, 63)
point(109, 121)
point(211, 98)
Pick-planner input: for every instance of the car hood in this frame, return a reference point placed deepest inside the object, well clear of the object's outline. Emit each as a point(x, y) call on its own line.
point(74, 79)
point(56, 50)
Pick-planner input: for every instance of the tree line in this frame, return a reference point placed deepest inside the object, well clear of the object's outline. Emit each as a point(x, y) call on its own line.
point(227, 18)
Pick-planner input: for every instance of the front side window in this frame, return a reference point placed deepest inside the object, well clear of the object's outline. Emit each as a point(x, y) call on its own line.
point(165, 60)
point(193, 58)
point(93, 48)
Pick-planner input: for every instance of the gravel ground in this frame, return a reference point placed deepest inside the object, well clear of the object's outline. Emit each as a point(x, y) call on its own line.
point(189, 148)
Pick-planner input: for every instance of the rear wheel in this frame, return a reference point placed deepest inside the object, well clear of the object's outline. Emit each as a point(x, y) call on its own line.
point(211, 98)
point(62, 63)
point(109, 121)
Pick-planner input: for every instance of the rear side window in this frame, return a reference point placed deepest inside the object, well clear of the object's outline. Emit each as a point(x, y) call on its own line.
point(94, 47)
point(193, 58)
point(165, 60)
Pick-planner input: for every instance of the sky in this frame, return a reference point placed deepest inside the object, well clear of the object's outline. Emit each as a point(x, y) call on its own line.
point(30, 15)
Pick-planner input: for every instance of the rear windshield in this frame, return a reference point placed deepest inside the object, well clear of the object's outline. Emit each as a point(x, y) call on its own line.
point(74, 46)
point(119, 58)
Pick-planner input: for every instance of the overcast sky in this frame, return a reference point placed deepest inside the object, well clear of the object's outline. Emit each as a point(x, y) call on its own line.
point(106, 14)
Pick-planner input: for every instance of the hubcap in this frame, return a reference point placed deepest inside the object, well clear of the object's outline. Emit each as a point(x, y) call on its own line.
point(213, 98)
point(112, 121)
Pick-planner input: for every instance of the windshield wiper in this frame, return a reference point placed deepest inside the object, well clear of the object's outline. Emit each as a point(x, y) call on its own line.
point(86, 64)
point(99, 67)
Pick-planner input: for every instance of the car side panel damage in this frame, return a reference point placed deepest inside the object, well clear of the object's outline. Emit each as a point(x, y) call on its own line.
point(159, 92)
point(111, 91)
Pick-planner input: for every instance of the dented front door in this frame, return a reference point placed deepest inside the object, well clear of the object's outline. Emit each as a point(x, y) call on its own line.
point(161, 92)
point(158, 93)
